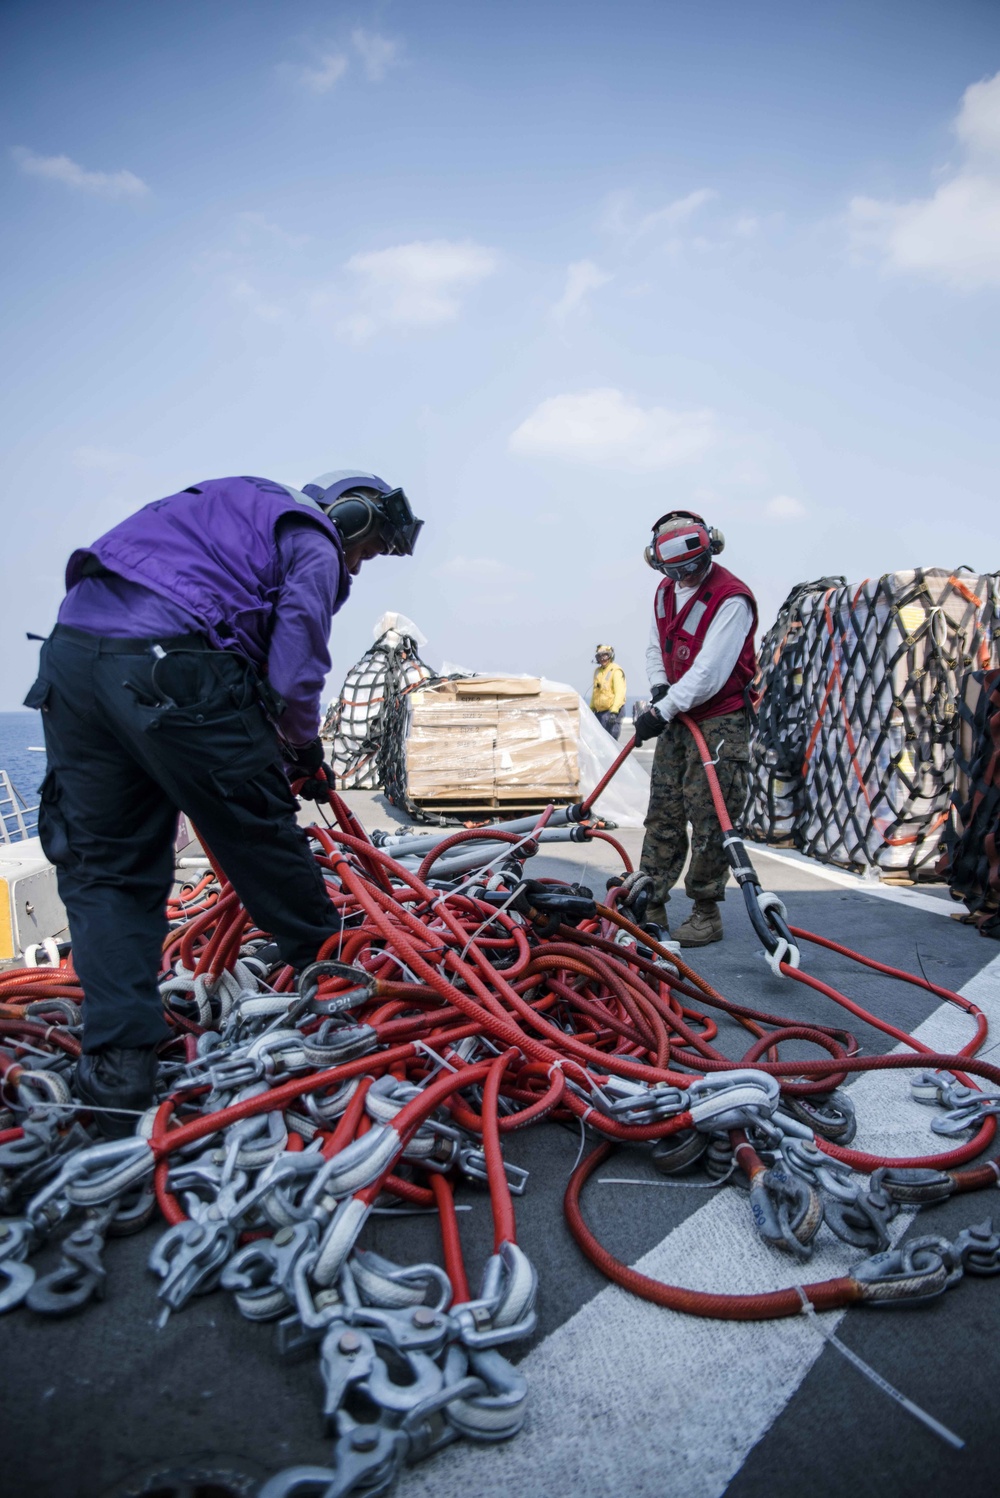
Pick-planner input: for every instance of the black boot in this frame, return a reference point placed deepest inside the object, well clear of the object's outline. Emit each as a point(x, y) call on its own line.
point(117, 1077)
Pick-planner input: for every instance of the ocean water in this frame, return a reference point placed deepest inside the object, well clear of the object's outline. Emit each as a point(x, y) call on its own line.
point(19, 733)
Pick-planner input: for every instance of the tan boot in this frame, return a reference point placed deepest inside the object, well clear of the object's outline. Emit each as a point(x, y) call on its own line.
point(702, 927)
point(657, 915)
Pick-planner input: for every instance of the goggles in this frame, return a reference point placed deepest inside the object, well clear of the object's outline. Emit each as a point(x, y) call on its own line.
point(678, 571)
point(398, 527)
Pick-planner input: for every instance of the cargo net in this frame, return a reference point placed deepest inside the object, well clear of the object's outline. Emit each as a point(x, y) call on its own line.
point(853, 761)
point(971, 861)
point(369, 717)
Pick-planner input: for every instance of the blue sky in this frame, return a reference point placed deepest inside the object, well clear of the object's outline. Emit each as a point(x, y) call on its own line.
point(553, 267)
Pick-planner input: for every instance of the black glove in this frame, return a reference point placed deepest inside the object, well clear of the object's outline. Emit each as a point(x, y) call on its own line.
point(648, 725)
point(660, 691)
point(306, 760)
point(310, 767)
point(318, 787)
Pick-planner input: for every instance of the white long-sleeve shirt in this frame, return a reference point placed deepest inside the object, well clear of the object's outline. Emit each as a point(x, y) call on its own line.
point(714, 662)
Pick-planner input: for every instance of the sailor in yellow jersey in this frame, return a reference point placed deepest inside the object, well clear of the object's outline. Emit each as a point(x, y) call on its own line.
point(607, 700)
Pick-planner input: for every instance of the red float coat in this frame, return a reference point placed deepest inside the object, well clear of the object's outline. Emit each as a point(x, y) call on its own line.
point(683, 634)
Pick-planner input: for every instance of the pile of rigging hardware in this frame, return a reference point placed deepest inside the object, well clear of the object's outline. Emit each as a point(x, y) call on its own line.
point(462, 1002)
point(857, 759)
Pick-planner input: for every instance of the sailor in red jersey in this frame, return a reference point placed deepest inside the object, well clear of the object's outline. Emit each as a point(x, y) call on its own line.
point(700, 661)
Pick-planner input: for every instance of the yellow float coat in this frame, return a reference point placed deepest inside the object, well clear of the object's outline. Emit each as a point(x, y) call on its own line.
point(608, 695)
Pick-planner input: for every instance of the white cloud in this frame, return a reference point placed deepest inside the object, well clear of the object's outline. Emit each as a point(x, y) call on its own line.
point(953, 235)
point(620, 219)
point(785, 507)
point(606, 428)
point(582, 277)
point(415, 285)
point(978, 123)
point(63, 169)
point(676, 213)
point(252, 226)
point(378, 53)
point(253, 299)
point(330, 68)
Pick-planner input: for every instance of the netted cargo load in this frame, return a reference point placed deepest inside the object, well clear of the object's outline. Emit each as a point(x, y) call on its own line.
point(370, 703)
point(854, 758)
point(971, 862)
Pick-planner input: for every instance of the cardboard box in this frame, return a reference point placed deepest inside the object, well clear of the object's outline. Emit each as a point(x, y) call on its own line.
point(493, 740)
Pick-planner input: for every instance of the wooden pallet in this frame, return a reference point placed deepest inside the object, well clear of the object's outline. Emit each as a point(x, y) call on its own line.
point(476, 806)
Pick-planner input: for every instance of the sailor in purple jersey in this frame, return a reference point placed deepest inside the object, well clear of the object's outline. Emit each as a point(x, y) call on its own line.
point(184, 674)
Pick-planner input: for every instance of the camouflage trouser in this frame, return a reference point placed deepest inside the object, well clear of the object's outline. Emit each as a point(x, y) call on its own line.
point(679, 794)
point(610, 721)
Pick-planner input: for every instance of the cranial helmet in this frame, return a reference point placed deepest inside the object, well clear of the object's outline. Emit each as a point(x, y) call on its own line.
point(608, 650)
point(364, 507)
point(681, 544)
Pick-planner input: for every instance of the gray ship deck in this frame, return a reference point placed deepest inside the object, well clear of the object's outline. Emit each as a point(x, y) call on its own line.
point(626, 1398)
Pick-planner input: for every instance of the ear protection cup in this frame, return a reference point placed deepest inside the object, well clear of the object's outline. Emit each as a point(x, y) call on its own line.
point(716, 541)
point(355, 518)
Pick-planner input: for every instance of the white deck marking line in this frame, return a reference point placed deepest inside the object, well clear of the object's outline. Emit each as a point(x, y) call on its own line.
point(910, 897)
point(627, 1397)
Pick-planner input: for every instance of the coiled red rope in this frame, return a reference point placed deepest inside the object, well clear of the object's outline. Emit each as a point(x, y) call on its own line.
point(565, 1012)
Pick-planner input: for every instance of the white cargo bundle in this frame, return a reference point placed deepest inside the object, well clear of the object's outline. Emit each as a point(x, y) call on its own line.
point(854, 756)
point(356, 721)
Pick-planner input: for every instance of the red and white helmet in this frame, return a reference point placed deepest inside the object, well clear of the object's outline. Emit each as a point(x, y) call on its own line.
point(681, 543)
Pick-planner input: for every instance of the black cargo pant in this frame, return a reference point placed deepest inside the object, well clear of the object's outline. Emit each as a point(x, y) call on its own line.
point(131, 740)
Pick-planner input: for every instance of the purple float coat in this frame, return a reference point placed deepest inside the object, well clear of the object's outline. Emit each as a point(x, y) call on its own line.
point(241, 560)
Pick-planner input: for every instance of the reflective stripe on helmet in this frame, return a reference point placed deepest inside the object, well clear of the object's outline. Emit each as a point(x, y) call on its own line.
point(684, 544)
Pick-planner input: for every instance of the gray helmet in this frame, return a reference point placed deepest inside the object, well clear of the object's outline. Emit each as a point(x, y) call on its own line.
point(363, 506)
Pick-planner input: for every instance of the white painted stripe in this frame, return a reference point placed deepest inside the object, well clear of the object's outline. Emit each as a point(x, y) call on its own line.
point(857, 882)
point(628, 1398)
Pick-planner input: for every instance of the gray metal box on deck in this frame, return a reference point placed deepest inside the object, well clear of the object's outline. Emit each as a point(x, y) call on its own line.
point(30, 907)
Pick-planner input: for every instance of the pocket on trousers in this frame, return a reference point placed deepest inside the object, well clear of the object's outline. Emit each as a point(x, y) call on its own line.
point(38, 694)
point(257, 797)
point(52, 830)
point(190, 690)
point(191, 743)
point(202, 685)
point(244, 767)
point(735, 738)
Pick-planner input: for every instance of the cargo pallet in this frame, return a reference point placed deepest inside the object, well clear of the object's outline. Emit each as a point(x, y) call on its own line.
point(477, 805)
